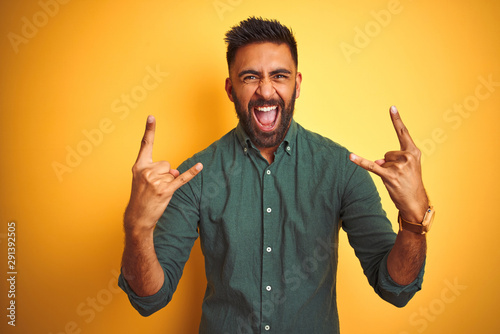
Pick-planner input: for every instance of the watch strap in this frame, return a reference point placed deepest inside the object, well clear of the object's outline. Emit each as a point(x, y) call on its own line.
point(420, 228)
point(409, 226)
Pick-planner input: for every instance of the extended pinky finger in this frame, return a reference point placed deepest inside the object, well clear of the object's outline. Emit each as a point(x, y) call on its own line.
point(187, 176)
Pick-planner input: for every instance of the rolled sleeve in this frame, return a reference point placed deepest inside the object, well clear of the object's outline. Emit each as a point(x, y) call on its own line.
point(145, 305)
point(394, 293)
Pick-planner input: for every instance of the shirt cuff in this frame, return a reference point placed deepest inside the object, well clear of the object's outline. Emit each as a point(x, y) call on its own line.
point(145, 305)
point(394, 293)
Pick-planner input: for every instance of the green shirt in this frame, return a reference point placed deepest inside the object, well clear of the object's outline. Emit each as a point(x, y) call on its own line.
point(269, 234)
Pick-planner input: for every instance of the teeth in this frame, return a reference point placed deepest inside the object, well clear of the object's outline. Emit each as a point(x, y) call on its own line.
point(266, 109)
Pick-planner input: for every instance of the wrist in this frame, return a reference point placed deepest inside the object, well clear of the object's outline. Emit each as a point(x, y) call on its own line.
point(137, 230)
point(416, 213)
point(417, 226)
point(135, 221)
point(413, 216)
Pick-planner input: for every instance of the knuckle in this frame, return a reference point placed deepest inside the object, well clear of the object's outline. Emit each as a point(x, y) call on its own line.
point(135, 169)
point(389, 156)
point(168, 178)
point(182, 178)
point(409, 157)
point(145, 142)
point(146, 173)
point(164, 164)
point(417, 153)
point(158, 188)
point(403, 130)
point(399, 171)
point(156, 185)
point(405, 156)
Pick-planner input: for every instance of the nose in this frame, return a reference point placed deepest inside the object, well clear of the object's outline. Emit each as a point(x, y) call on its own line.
point(266, 89)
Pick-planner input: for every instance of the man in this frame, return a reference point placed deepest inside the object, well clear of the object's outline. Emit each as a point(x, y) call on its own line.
point(268, 207)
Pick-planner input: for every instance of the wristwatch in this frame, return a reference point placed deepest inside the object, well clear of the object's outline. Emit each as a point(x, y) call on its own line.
point(420, 228)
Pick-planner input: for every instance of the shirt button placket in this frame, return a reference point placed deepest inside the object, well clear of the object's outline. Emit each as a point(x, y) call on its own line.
point(269, 200)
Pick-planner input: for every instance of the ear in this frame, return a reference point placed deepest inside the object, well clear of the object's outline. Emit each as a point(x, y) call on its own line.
point(229, 89)
point(298, 81)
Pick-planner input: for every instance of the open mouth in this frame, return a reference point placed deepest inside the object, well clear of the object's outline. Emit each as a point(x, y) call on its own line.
point(266, 117)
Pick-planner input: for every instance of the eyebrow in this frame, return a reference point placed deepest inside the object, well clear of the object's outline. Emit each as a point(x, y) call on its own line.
point(277, 71)
point(244, 72)
point(280, 70)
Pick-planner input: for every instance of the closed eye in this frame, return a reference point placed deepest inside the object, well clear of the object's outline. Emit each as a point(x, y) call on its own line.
point(248, 76)
point(281, 73)
point(250, 79)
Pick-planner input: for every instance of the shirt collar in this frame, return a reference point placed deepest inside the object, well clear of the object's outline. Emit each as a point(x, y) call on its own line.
point(286, 145)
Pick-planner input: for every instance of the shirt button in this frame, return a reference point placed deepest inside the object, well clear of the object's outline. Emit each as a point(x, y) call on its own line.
point(267, 327)
point(268, 249)
point(288, 148)
point(268, 172)
point(269, 210)
point(245, 150)
point(268, 288)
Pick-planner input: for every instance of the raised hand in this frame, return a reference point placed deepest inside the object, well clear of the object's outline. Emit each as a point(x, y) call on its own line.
point(153, 184)
point(401, 173)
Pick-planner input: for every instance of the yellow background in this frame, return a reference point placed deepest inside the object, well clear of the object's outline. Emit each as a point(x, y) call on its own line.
point(426, 57)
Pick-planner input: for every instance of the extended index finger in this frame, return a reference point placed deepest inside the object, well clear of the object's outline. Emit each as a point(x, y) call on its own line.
point(404, 137)
point(146, 150)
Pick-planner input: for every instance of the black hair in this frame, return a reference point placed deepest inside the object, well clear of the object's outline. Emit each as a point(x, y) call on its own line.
point(259, 30)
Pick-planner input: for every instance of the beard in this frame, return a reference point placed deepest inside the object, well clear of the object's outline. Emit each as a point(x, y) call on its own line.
point(258, 137)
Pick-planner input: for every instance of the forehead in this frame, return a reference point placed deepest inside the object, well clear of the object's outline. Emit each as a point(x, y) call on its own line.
point(263, 57)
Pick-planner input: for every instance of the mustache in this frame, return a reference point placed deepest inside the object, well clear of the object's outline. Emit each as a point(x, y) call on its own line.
point(266, 103)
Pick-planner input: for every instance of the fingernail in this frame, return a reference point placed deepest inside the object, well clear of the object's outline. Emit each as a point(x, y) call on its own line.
point(353, 157)
point(199, 166)
point(151, 119)
point(394, 110)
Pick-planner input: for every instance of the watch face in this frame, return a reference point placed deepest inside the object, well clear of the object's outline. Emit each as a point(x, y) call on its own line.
point(428, 218)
